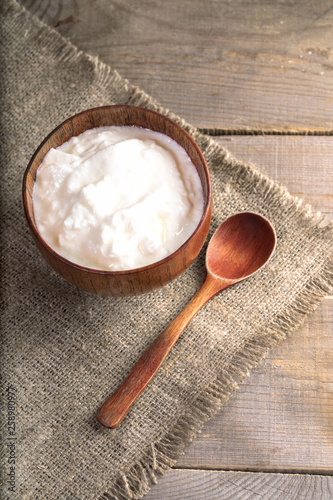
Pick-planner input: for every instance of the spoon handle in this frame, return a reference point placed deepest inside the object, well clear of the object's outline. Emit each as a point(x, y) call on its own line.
point(116, 407)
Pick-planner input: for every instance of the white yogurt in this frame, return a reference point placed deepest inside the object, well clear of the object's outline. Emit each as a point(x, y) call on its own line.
point(116, 198)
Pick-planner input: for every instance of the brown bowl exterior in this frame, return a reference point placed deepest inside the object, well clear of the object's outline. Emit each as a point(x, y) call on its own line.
point(135, 281)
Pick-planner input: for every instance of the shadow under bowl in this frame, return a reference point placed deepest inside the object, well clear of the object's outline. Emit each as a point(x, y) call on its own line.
point(133, 281)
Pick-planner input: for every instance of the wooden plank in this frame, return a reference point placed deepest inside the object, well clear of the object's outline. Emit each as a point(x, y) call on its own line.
point(239, 65)
point(281, 419)
point(218, 485)
point(302, 164)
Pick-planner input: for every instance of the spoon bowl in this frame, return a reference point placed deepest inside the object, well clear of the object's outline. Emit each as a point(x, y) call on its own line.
point(240, 246)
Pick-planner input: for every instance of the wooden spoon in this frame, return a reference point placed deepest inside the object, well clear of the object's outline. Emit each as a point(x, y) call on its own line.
point(240, 246)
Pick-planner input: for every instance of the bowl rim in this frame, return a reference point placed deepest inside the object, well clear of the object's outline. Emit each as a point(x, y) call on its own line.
point(33, 226)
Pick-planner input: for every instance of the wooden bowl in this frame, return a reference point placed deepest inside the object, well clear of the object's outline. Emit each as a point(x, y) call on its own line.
point(134, 281)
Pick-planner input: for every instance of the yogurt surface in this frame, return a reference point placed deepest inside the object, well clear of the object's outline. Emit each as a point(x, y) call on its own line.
point(117, 198)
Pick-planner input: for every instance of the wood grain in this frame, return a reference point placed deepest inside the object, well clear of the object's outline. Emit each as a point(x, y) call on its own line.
point(283, 414)
point(233, 65)
point(221, 485)
point(281, 419)
point(302, 164)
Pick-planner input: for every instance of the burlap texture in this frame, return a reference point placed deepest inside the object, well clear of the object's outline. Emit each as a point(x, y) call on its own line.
point(64, 350)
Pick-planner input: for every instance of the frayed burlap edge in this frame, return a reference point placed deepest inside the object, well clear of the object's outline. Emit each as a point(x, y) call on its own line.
point(160, 456)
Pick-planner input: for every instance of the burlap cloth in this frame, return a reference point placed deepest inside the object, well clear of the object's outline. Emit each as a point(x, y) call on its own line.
point(64, 350)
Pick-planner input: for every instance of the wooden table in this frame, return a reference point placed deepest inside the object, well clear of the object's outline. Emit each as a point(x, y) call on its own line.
point(258, 75)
